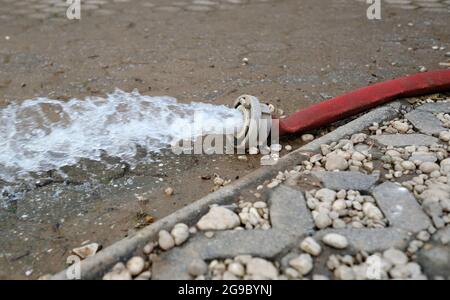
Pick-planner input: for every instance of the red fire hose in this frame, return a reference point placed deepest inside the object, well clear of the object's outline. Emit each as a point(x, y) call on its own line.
point(343, 106)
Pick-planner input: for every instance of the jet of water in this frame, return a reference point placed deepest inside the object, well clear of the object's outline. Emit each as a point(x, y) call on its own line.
point(42, 134)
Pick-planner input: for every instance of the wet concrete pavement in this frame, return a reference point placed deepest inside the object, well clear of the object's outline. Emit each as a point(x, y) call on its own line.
point(299, 52)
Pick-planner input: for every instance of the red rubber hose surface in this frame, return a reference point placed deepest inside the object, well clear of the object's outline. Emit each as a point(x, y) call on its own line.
point(329, 111)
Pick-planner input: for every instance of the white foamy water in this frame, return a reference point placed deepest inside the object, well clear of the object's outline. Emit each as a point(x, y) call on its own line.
point(43, 134)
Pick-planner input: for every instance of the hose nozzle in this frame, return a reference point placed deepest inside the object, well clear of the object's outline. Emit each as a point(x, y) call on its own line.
point(257, 122)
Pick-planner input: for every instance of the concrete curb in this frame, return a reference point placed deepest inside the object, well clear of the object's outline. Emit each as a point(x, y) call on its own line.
point(94, 267)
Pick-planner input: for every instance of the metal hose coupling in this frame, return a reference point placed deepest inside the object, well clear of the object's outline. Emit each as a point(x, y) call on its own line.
point(257, 122)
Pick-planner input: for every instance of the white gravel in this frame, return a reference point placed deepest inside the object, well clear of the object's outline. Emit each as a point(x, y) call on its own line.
point(344, 208)
point(180, 233)
point(218, 218)
point(165, 240)
point(309, 245)
point(303, 264)
point(335, 240)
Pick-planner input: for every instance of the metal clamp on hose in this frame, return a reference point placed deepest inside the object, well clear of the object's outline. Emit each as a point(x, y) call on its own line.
point(257, 122)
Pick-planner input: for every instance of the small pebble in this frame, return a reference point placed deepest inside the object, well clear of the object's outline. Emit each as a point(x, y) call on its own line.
point(135, 265)
point(307, 137)
point(148, 248)
point(168, 191)
point(180, 233)
point(144, 276)
point(218, 218)
point(197, 267)
point(335, 240)
point(309, 245)
point(322, 220)
point(236, 269)
point(260, 268)
point(260, 204)
point(395, 256)
point(86, 251)
point(209, 234)
point(166, 240)
point(303, 263)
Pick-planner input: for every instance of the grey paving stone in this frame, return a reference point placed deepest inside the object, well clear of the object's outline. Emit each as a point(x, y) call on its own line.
point(436, 107)
point(288, 211)
point(172, 265)
point(232, 243)
point(401, 140)
point(435, 260)
point(346, 180)
point(435, 211)
point(425, 121)
point(400, 207)
point(370, 239)
point(262, 243)
point(423, 157)
point(443, 236)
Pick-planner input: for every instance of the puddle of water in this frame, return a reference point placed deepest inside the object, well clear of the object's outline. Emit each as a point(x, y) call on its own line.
point(42, 134)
